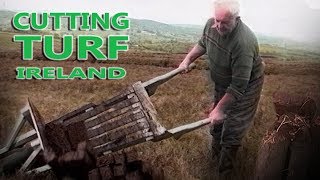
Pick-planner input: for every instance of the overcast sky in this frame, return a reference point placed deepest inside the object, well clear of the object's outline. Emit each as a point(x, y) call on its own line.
point(296, 19)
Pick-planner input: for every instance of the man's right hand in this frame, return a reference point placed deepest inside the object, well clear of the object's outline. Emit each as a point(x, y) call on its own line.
point(185, 66)
point(196, 52)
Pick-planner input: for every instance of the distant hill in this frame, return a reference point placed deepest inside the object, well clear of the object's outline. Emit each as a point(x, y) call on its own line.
point(189, 26)
point(137, 26)
point(164, 30)
point(156, 35)
point(288, 43)
point(5, 18)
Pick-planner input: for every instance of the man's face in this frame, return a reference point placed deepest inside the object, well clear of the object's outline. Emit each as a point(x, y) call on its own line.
point(224, 21)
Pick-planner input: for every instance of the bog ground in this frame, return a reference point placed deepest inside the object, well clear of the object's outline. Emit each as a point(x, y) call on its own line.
point(181, 100)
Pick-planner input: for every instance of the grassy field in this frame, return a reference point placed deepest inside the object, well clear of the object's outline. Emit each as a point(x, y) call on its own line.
point(181, 100)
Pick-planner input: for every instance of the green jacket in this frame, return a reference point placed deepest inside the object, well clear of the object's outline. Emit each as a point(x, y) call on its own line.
point(234, 59)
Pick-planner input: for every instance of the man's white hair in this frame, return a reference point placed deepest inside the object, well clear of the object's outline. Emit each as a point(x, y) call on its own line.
point(233, 6)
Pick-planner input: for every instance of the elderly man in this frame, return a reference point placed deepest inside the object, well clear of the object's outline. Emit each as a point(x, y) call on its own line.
point(237, 71)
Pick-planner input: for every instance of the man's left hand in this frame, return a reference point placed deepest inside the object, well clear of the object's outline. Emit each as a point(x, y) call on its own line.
point(217, 116)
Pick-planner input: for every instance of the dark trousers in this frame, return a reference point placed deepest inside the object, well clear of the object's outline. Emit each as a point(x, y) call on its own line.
point(227, 136)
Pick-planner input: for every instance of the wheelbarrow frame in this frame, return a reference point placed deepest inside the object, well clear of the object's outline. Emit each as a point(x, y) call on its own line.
point(100, 124)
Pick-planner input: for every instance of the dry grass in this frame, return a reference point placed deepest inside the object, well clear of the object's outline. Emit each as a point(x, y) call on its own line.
point(179, 101)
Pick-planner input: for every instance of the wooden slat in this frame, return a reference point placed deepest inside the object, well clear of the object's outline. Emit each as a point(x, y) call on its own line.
point(119, 133)
point(20, 122)
point(38, 124)
point(27, 116)
point(130, 140)
point(115, 123)
point(112, 111)
point(83, 109)
point(149, 109)
point(20, 141)
point(106, 116)
point(31, 159)
point(39, 169)
point(25, 138)
point(73, 113)
point(118, 98)
point(95, 111)
point(133, 109)
point(35, 142)
point(102, 108)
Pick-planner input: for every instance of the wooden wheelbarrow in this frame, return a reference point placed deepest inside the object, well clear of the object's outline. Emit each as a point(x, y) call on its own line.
point(122, 121)
point(130, 118)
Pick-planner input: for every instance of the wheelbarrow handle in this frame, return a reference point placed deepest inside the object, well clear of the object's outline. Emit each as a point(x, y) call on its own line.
point(177, 132)
point(152, 84)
